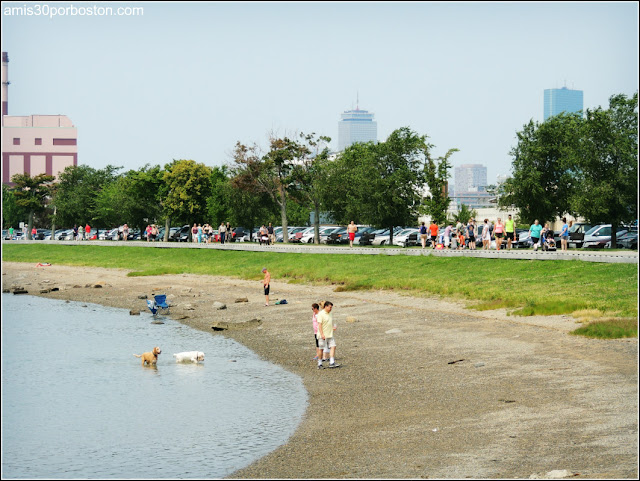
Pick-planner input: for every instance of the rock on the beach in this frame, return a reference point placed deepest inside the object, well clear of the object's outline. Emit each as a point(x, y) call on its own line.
point(134, 312)
point(223, 326)
point(393, 331)
point(219, 305)
point(242, 299)
point(555, 474)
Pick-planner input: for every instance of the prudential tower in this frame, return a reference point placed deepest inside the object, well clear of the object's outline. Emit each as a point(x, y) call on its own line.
point(356, 126)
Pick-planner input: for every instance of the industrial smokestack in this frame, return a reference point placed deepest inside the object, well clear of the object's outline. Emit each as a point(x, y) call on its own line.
point(5, 85)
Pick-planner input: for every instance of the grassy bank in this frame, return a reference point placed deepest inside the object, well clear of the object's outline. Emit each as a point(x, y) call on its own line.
point(526, 287)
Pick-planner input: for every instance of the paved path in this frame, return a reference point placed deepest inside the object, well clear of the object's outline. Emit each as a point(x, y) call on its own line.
point(629, 257)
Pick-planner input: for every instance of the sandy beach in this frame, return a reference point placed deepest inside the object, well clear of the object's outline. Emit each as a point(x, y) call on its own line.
point(427, 388)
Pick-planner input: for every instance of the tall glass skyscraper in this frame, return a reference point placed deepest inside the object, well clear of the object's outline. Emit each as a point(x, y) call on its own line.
point(356, 126)
point(561, 100)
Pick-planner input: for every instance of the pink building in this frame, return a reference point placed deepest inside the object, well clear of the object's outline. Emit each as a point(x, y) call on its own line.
point(35, 144)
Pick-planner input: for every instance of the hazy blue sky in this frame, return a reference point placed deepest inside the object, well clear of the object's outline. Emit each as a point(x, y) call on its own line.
point(187, 80)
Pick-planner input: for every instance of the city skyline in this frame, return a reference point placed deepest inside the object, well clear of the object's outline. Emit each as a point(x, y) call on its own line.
point(190, 80)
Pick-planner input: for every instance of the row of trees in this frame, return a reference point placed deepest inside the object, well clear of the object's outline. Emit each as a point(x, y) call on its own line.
point(580, 165)
point(571, 164)
point(381, 184)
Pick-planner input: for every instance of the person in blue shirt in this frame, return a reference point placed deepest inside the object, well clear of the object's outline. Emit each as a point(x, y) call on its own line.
point(564, 234)
point(534, 232)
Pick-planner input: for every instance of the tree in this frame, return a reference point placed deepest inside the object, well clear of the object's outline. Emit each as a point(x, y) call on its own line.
point(12, 214)
point(436, 173)
point(606, 167)
point(542, 179)
point(269, 174)
point(378, 184)
point(188, 185)
point(464, 214)
point(32, 194)
point(76, 193)
point(309, 174)
point(221, 200)
point(133, 198)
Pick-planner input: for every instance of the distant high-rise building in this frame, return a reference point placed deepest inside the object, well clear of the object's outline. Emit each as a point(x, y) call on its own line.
point(356, 126)
point(470, 178)
point(561, 100)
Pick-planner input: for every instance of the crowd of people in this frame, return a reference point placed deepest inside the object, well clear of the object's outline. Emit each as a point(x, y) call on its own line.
point(465, 236)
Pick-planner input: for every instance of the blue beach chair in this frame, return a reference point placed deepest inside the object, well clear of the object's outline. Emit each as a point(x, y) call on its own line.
point(152, 307)
point(161, 303)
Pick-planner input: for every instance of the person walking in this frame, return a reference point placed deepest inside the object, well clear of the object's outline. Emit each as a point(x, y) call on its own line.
point(262, 235)
point(325, 333)
point(486, 235)
point(498, 232)
point(34, 233)
point(510, 230)
point(87, 231)
point(75, 232)
point(266, 284)
point(351, 230)
point(534, 233)
point(272, 235)
point(223, 232)
point(433, 229)
point(423, 235)
point(564, 235)
point(125, 232)
point(11, 233)
point(471, 231)
point(314, 320)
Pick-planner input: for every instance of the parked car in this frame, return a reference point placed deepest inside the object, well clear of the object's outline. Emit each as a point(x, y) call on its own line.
point(324, 235)
point(599, 235)
point(576, 234)
point(338, 236)
point(308, 235)
point(628, 240)
point(406, 237)
point(297, 237)
point(180, 234)
point(383, 236)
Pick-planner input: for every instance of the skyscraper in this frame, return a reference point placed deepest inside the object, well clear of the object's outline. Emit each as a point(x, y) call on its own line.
point(561, 100)
point(470, 177)
point(356, 126)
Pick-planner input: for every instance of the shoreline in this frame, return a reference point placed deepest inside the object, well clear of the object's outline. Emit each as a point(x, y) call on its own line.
point(427, 388)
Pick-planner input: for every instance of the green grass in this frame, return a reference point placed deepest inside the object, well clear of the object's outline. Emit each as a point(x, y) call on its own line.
point(609, 329)
point(524, 287)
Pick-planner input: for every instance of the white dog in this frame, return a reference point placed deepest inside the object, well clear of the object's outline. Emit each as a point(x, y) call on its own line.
point(192, 356)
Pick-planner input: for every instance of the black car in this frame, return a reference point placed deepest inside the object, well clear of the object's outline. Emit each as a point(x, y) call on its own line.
point(182, 234)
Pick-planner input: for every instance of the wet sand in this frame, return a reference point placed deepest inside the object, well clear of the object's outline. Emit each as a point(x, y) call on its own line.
point(427, 388)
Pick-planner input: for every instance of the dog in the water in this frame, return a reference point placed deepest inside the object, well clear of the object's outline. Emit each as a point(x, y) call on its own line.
point(150, 357)
point(192, 356)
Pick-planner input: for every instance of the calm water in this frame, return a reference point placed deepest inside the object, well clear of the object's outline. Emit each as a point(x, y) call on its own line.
point(77, 404)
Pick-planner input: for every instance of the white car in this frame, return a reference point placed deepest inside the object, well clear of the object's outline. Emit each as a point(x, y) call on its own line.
point(382, 236)
point(401, 238)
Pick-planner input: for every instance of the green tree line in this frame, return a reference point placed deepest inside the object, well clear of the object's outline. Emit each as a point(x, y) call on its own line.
point(582, 165)
point(375, 183)
point(570, 164)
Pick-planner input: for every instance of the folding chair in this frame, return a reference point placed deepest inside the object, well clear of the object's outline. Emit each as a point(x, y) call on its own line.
point(161, 302)
point(152, 307)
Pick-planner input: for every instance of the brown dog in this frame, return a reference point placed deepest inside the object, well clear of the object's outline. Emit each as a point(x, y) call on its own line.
point(150, 357)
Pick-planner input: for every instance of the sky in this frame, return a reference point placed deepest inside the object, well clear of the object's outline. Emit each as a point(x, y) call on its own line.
point(189, 80)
